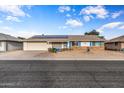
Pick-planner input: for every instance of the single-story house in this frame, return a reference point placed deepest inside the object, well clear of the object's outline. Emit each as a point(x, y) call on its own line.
point(8, 43)
point(43, 42)
point(115, 43)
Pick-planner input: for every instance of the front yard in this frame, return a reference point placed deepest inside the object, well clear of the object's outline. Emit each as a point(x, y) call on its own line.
point(75, 54)
point(95, 53)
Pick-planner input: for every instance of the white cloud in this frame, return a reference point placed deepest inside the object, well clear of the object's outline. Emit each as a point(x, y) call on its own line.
point(12, 18)
point(121, 27)
point(62, 27)
point(21, 33)
point(87, 18)
point(6, 28)
point(29, 6)
point(64, 8)
point(74, 23)
point(1, 21)
point(116, 14)
point(110, 26)
point(99, 11)
point(26, 33)
point(68, 15)
point(14, 10)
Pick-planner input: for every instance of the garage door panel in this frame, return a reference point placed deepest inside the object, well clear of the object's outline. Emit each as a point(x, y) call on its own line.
point(36, 46)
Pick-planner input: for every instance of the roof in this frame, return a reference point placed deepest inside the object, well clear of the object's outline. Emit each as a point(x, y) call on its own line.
point(5, 37)
point(117, 39)
point(85, 38)
point(64, 38)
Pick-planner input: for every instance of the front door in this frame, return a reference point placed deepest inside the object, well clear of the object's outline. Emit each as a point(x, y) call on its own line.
point(74, 43)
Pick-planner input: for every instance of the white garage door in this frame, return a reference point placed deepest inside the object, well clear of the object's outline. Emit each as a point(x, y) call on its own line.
point(36, 46)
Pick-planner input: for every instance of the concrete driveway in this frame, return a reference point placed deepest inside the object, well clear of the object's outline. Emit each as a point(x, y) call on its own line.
point(18, 55)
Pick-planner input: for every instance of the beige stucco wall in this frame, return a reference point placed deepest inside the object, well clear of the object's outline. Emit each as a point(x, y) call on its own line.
point(112, 46)
point(122, 45)
point(36, 46)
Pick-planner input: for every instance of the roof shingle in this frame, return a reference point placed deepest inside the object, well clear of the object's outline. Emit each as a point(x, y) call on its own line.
point(117, 39)
point(65, 38)
point(5, 37)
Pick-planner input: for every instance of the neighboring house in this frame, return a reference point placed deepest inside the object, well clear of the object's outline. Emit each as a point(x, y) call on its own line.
point(43, 42)
point(115, 44)
point(8, 43)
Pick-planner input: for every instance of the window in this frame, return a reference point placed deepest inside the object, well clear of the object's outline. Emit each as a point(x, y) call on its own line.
point(116, 43)
point(93, 43)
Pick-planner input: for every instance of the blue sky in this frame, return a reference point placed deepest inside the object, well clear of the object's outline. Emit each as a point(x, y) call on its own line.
point(28, 20)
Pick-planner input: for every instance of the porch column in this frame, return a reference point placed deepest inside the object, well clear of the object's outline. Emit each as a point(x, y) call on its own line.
point(68, 44)
point(79, 43)
point(62, 45)
point(90, 43)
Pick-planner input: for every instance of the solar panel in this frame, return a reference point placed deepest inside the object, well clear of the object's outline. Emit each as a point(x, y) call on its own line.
point(50, 36)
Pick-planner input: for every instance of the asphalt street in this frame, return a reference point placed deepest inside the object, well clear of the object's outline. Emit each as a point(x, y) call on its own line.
point(61, 74)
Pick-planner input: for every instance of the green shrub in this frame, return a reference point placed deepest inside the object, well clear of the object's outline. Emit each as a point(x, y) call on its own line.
point(53, 50)
point(122, 49)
